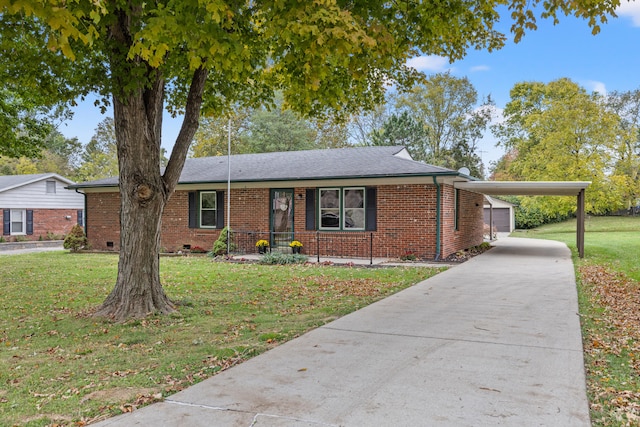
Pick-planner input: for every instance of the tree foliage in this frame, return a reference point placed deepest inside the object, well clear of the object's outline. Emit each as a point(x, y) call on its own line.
point(401, 129)
point(211, 55)
point(558, 131)
point(446, 107)
point(100, 157)
point(626, 106)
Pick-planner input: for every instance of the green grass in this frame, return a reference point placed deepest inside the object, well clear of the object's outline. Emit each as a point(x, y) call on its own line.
point(58, 365)
point(608, 281)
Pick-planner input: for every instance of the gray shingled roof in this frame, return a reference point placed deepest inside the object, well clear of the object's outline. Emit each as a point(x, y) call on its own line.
point(8, 182)
point(355, 162)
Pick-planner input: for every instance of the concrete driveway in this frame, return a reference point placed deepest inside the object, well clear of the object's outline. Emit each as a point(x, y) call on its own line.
point(493, 341)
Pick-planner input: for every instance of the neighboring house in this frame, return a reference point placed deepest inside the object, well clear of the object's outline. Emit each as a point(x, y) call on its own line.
point(38, 206)
point(501, 212)
point(341, 202)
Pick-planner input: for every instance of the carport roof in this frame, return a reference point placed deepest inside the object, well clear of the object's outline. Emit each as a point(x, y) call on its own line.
point(525, 188)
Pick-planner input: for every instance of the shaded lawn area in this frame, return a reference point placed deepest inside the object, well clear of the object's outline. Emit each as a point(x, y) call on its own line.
point(59, 366)
point(608, 281)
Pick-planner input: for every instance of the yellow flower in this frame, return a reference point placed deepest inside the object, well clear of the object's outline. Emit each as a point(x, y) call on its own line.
point(262, 243)
point(295, 244)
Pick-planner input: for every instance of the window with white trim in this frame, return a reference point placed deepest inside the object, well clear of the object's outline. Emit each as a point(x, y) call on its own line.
point(342, 208)
point(208, 209)
point(51, 187)
point(18, 222)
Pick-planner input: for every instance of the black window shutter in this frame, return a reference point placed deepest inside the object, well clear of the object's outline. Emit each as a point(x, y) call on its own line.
point(6, 222)
point(80, 219)
point(29, 222)
point(310, 208)
point(193, 209)
point(219, 209)
point(371, 214)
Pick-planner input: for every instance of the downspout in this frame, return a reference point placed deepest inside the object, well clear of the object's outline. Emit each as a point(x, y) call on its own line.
point(438, 243)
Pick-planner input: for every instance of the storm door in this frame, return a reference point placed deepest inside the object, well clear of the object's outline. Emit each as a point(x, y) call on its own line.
point(281, 218)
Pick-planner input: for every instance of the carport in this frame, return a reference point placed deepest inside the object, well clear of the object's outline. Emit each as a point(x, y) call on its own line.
point(536, 188)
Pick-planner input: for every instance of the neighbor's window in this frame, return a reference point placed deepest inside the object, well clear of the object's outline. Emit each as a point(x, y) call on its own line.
point(18, 221)
point(208, 209)
point(51, 187)
point(342, 208)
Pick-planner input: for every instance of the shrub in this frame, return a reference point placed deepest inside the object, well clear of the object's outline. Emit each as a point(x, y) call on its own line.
point(2, 239)
point(76, 240)
point(21, 238)
point(53, 236)
point(279, 258)
point(220, 245)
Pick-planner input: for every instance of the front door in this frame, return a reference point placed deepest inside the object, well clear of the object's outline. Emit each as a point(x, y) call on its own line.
point(281, 218)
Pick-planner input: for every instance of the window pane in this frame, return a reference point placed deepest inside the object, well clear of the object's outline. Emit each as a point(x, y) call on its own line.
point(329, 199)
point(354, 218)
point(354, 198)
point(208, 218)
point(330, 218)
point(208, 200)
point(51, 186)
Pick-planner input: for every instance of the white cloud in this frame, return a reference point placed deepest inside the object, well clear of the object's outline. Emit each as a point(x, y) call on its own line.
point(596, 86)
point(429, 63)
point(480, 68)
point(630, 9)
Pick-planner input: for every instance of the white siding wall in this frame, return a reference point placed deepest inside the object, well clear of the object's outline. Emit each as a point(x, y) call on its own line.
point(35, 196)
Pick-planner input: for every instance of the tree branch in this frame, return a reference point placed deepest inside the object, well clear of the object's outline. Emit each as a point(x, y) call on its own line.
point(187, 131)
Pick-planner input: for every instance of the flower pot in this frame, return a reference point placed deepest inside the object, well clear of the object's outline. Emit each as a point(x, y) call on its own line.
point(296, 249)
point(262, 249)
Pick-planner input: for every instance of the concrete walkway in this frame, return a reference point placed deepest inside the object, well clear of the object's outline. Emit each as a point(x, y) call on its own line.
point(493, 341)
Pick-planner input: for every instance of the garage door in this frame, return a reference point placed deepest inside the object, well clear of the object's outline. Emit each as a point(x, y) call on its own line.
point(501, 219)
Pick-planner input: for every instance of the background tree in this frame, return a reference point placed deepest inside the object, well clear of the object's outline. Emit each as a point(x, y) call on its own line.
point(401, 129)
point(626, 105)
point(34, 92)
point(446, 107)
point(100, 157)
point(557, 131)
point(212, 137)
point(270, 131)
point(209, 55)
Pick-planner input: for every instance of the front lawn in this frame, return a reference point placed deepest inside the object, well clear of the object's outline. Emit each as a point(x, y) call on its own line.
point(609, 297)
point(59, 366)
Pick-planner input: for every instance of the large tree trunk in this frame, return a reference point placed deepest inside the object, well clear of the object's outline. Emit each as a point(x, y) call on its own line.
point(144, 192)
point(138, 291)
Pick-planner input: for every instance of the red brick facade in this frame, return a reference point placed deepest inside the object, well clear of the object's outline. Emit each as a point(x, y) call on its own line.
point(406, 222)
point(48, 223)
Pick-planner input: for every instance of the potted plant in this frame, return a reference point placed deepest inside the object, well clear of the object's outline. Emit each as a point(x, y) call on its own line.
point(295, 246)
point(262, 246)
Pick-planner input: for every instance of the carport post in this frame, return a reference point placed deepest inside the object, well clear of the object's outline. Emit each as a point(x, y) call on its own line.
point(580, 224)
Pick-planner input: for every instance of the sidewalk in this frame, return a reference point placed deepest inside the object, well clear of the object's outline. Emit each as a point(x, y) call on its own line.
point(493, 341)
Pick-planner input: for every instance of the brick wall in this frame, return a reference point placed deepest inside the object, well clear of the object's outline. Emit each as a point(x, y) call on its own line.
point(469, 222)
point(53, 221)
point(406, 222)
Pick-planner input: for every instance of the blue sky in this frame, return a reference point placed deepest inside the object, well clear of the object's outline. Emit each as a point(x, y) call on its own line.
point(606, 62)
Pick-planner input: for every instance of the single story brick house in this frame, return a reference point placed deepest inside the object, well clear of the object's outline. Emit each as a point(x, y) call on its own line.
point(360, 201)
point(38, 206)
